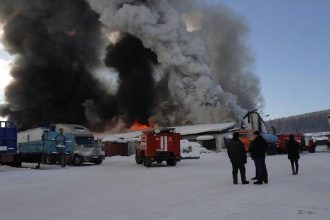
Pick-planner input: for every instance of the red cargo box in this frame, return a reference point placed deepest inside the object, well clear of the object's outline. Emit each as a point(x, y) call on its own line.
point(115, 149)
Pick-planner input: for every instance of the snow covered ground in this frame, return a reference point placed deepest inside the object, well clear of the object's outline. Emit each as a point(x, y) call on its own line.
point(195, 189)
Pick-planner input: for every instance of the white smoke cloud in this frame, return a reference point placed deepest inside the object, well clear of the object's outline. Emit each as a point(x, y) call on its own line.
point(224, 34)
point(108, 78)
point(1, 34)
point(5, 77)
point(194, 84)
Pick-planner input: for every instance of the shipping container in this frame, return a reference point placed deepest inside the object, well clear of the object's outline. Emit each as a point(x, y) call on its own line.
point(115, 148)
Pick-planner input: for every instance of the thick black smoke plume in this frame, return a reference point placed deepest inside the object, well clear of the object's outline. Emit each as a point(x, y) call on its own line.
point(177, 61)
point(136, 92)
point(56, 44)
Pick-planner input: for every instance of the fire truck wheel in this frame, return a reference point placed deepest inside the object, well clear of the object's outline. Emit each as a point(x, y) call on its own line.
point(171, 162)
point(138, 159)
point(77, 161)
point(146, 162)
point(311, 150)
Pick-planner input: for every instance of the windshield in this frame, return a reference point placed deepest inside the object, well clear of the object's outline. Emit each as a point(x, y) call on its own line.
point(84, 140)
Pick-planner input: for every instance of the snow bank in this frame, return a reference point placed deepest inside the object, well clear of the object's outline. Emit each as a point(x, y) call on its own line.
point(192, 149)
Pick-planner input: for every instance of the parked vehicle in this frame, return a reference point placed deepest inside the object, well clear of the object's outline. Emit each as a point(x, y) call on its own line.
point(311, 146)
point(157, 146)
point(283, 138)
point(45, 146)
point(85, 148)
point(246, 136)
point(8, 144)
point(252, 121)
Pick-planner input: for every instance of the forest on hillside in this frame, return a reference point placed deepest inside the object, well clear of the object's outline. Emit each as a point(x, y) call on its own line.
point(306, 123)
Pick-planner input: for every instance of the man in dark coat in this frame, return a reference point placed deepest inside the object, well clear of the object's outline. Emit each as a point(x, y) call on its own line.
point(293, 147)
point(258, 149)
point(237, 156)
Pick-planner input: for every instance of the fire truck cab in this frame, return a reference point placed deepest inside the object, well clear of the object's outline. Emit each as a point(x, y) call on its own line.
point(157, 146)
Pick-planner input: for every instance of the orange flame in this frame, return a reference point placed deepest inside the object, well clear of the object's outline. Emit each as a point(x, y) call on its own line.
point(139, 127)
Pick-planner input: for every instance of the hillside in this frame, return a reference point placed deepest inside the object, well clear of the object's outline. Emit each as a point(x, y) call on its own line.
point(310, 122)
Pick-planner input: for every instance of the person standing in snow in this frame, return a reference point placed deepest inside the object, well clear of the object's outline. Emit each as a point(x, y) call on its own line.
point(237, 156)
point(293, 147)
point(258, 151)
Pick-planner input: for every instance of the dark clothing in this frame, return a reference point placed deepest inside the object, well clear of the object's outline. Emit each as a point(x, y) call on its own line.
point(293, 150)
point(236, 152)
point(237, 156)
point(258, 147)
point(294, 166)
point(261, 169)
point(258, 151)
point(241, 169)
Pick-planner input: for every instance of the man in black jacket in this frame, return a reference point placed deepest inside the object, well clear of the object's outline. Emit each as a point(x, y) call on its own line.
point(237, 156)
point(258, 151)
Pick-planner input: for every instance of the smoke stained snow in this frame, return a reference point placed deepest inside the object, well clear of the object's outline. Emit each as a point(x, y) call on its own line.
point(177, 63)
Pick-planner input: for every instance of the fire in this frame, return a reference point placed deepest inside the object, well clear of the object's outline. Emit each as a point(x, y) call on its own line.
point(139, 127)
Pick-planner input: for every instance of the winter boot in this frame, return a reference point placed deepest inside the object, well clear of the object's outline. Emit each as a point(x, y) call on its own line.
point(297, 167)
point(292, 168)
point(265, 180)
point(235, 180)
point(243, 178)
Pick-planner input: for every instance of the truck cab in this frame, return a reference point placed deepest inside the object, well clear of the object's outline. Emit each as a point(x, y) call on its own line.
point(85, 148)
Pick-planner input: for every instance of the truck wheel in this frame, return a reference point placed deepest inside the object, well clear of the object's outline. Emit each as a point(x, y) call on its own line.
point(138, 159)
point(312, 150)
point(98, 162)
point(171, 162)
point(63, 160)
point(146, 162)
point(50, 159)
point(17, 162)
point(77, 161)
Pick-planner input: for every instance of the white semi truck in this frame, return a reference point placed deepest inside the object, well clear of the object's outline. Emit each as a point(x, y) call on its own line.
point(85, 148)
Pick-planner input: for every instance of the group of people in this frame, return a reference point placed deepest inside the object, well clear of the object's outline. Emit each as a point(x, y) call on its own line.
point(258, 151)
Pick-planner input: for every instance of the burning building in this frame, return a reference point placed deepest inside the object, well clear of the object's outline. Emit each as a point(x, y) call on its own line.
point(112, 64)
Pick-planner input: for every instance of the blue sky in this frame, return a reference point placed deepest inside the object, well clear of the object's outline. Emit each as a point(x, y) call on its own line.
point(291, 43)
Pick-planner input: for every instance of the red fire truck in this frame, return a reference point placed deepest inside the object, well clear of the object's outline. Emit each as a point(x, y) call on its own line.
point(283, 138)
point(157, 146)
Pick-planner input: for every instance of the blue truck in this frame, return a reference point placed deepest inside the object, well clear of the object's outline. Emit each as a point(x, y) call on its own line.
point(46, 146)
point(8, 144)
point(54, 144)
